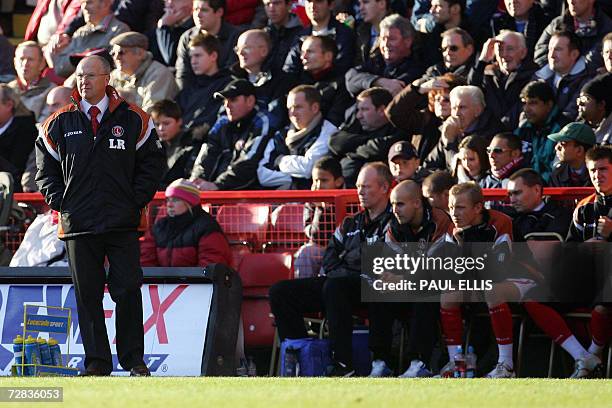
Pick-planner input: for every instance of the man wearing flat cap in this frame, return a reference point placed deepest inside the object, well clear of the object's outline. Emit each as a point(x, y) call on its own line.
point(137, 77)
point(230, 158)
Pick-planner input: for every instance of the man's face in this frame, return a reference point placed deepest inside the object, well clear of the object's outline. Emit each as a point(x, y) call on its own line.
point(372, 192)
point(580, 7)
point(56, 99)
point(91, 80)
point(393, 46)
point(440, 11)
point(518, 8)
point(465, 110)
point(201, 61)
point(301, 112)
point(470, 161)
point(436, 200)
point(251, 50)
point(318, 10)
point(499, 153)
point(176, 206)
point(403, 169)
point(127, 59)
point(238, 107)
point(95, 10)
point(442, 106)
point(370, 117)
point(324, 180)
point(372, 10)
point(204, 17)
point(589, 109)
point(404, 206)
point(277, 11)
point(454, 52)
point(509, 54)
point(313, 58)
point(29, 63)
point(607, 55)
point(560, 58)
point(167, 127)
point(568, 151)
point(463, 211)
point(536, 110)
point(6, 110)
point(522, 197)
point(601, 175)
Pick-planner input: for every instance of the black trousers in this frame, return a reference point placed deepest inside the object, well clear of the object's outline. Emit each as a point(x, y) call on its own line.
point(86, 259)
point(336, 297)
point(423, 328)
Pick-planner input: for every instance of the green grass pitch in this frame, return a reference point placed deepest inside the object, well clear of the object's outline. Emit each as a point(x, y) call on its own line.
point(318, 392)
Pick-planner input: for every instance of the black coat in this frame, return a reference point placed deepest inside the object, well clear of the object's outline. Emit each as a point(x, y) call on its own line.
point(551, 218)
point(537, 21)
point(197, 102)
point(16, 144)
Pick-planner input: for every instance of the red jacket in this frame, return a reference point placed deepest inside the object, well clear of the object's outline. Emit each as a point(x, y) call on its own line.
point(191, 239)
point(70, 9)
point(239, 12)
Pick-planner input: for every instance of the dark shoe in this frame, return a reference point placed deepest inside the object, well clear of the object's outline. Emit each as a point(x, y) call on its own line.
point(338, 369)
point(94, 372)
point(140, 371)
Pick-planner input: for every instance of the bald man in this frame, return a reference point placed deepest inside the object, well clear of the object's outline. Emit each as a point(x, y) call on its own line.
point(414, 221)
point(99, 163)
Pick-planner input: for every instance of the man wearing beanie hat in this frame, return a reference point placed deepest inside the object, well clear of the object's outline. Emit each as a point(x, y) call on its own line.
point(138, 78)
point(188, 235)
point(595, 107)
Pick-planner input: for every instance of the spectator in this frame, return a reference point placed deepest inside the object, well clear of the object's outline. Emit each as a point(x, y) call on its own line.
point(292, 153)
point(457, 56)
point(208, 19)
point(197, 102)
point(187, 235)
point(572, 143)
point(587, 21)
point(397, 67)
point(414, 221)
point(606, 52)
point(319, 219)
point(322, 22)
point(472, 162)
point(371, 140)
point(478, 11)
point(541, 118)
point(533, 213)
point(404, 162)
point(231, 156)
point(253, 50)
point(283, 28)
point(50, 18)
point(423, 124)
point(172, 24)
point(595, 107)
point(137, 78)
point(7, 55)
point(506, 158)
point(523, 16)
point(436, 187)
point(338, 290)
point(17, 133)
point(468, 117)
point(140, 15)
point(502, 82)
point(372, 13)
point(319, 70)
point(31, 87)
point(181, 145)
point(100, 26)
point(566, 72)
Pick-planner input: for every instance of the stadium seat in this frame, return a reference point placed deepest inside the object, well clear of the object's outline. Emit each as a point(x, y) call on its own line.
point(244, 224)
point(258, 273)
point(286, 230)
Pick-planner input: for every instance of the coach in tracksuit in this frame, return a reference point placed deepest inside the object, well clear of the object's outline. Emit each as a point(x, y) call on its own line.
point(99, 162)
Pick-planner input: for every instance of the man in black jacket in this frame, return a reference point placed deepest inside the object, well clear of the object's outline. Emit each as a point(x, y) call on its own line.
point(163, 42)
point(99, 163)
point(283, 28)
point(339, 290)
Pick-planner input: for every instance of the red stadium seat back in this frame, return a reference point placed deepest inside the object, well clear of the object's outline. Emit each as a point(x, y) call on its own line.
point(286, 230)
point(244, 222)
point(264, 270)
point(257, 323)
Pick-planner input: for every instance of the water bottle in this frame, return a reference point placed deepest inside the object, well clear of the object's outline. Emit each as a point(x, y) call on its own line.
point(291, 363)
point(45, 353)
point(252, 368)
point(459, 363)
point(31, 355)
point(18, 353)
point(470, 363)
point(56, 353)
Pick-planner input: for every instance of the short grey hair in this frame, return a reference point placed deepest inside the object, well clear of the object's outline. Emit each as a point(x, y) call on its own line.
point(509, 33)
point(8, 94)
point(401, 23)
point(474, 92)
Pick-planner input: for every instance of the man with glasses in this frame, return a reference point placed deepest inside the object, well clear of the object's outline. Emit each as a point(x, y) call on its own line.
point(99, 163)
point(505, 157)
point(137, 78)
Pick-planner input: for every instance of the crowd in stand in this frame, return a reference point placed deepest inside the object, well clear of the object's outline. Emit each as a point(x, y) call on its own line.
point(450, 95)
